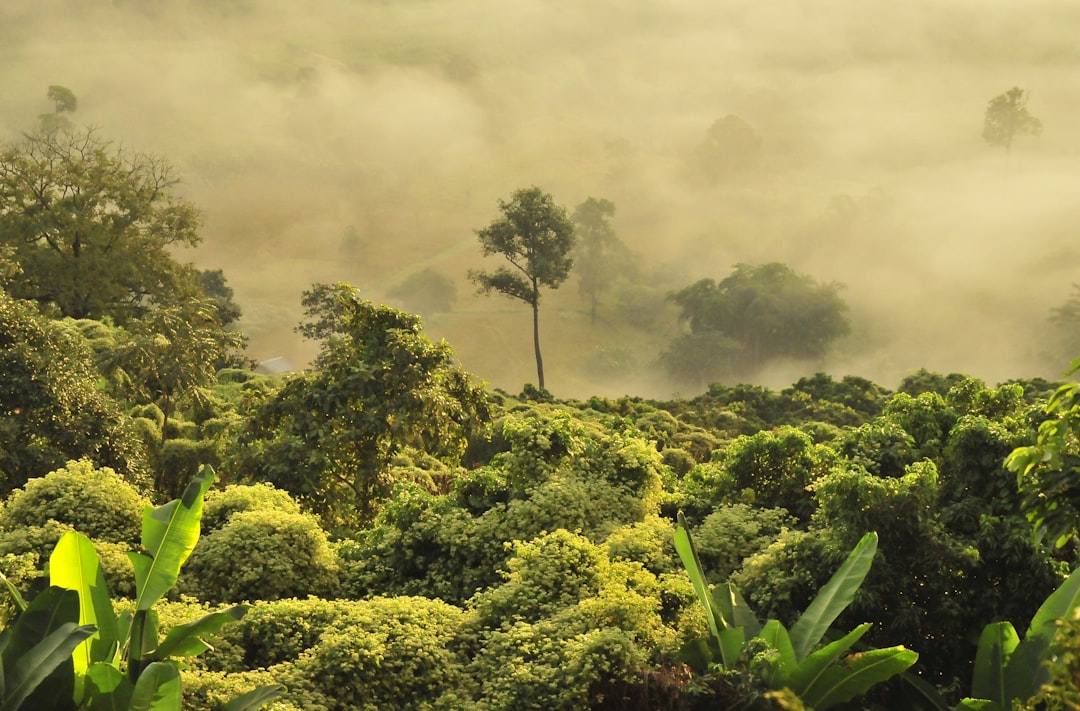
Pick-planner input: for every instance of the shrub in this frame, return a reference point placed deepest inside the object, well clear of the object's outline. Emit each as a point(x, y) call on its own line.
point(648, 542)
point(384, 654)
point(733, 533)
point(221, 504)
point(261, 555)
point(96, 502)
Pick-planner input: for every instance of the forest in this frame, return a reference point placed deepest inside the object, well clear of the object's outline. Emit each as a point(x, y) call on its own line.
point(640, 355)
point(384, 530)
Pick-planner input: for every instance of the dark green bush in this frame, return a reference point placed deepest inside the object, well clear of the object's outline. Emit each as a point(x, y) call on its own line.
point(261, 555)
point(733, 533)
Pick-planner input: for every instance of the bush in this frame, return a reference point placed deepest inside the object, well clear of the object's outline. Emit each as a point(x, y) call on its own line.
point(733, 533)
point(384, 654)
point(649, 542)
point(261, 555)
point(95, 502)
point(221, 504)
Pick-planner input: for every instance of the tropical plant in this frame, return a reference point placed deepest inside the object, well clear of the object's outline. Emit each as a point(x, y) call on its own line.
point(1008, 668)
point(110, 661)
point(796, 659)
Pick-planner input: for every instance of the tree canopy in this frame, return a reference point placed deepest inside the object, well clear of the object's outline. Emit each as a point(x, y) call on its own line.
point(757, 313)
point(92, 224)
point(536, 237)
point(1007, 117)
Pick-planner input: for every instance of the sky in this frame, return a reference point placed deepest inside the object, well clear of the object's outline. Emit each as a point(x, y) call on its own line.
point(365, 141)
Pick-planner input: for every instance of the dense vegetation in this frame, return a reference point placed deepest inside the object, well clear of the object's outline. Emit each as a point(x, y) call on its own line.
point(387, 533)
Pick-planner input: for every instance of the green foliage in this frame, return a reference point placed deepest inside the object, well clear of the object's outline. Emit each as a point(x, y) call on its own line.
point(732, 533)
point(329, 436)
point(760, 312)
point(75, 207)
point(50, 409)
point(261, 555)
point(536, 237)
point(94, 501)
point(221, 504)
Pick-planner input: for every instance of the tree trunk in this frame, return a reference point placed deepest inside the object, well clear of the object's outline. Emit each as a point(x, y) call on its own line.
point(536, 343)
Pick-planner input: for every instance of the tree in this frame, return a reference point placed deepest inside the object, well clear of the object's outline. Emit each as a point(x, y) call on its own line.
point(766, 311)
point(730, 147)
point(378, 385)
point(64, 102)
point(426, 292)
point(51, 410)
point(1007, 117)
point(536, 237)
point(92, 225)
point(599, 255)
point(169, 355)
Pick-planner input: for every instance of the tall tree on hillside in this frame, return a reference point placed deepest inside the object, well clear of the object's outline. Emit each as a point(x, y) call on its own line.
point(1007, 117)
point(536, 237)
point(93, 225)
point(599, 256)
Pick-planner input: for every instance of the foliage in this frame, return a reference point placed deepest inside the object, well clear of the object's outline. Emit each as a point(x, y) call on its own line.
point(763, 312)
point(94, 501)
point(732, 533)
point(262, 555)
point(93, 226)
point(599, 255)
point(1045, 471)
point(221, 504)
point(50, 410)
point(797, 659)
point(329, 436)
point(730, 148)
point(1007, 117)
point(536, 238)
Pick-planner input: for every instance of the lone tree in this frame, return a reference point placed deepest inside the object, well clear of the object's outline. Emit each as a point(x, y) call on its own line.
point(536, 237)
point(1007, 117)
point(600, 256)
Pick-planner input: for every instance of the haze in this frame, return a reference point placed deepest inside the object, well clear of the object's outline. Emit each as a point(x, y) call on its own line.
point(364, 141)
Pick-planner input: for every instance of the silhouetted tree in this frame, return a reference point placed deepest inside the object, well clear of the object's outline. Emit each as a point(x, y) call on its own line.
point(1007, 117)
point(536, 237)
point(426, 292)
point(600, 257)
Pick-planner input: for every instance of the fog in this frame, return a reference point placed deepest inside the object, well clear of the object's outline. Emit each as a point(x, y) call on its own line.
point(364, 141)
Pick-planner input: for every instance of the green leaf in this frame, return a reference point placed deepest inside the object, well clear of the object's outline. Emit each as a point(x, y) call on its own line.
point(976, 705)
point(158, 689)
point(74, 565)
point(834, 597)
point(186, 640)
point(169, 534)
point(107, 688)
point(13, 592)
point(857, 675)
point(997, 643)
point(684, 546)
point(734, 608)
point(776, 636)
point(36, 664)
point(731, 642)
point(254, 699)
point(1057, 606)
point(806, 674)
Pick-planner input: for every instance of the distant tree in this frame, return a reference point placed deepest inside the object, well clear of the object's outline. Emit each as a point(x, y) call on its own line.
point(92, 226)
point(1065, 321)
point(731, 146)
point(426, 292)
point(600, 257)
point(329, 436)
point(64, 102)
point(764, 311)
point(1007, 117)
point(536, 237)
point(218, 292)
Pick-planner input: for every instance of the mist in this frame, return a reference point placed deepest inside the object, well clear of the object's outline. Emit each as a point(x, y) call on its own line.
point(365, 141)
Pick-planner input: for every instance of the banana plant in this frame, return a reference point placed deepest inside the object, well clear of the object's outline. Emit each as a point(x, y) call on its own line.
point(820, 675)
point(1008, 669)
point(121, 663)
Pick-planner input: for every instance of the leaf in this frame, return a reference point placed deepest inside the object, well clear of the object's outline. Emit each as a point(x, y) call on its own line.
point(843, 682)
point(834, 597)
point(158, 689)
point(970, 704)
point(734, 608)
point(808, 671)
point(776, 636)
point(13, 592)
point(107, 688)
point(186, 640)
point(169, 534)
point(74, 565)
point(684, 546)
point(36, 664)
point(1057, 606)
point(254, 699)
point(996, 645)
